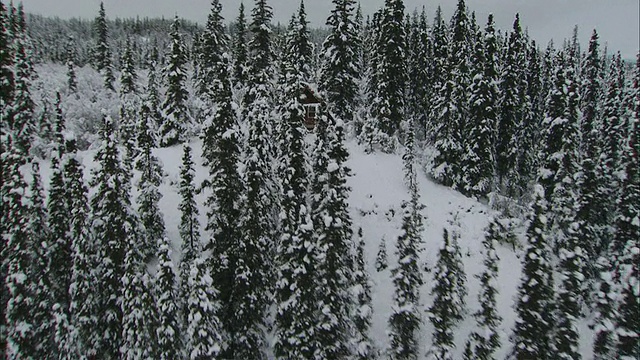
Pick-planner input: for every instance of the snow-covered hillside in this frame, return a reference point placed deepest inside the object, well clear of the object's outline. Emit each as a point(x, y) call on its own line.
point(378, 189)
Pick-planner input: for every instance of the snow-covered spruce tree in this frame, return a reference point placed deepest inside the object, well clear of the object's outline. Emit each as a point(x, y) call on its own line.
point(39, 237)
point(612, 137)
point(18, 257)
point(418, 66)
point(139, 316)
point(113, 223)
point(512, 111)
point(22, 119)
point(240, 49)
point(568, 295)
point(81, 338)
point(450, 104)
point(535, 300)
point(189, 227)
point(176, 119)
point(254, 276)
point(213, 43)
point(448, 304)
point(405, 319)
point(152, 96)
point(232, 276)
point(101, 52)
point(589, 215)
point(72, 81)
point(381, 256)
point(169, 325)
point(362, 312)
point(6, 96)
point(150, 179)
point(438, 73)
point(128, 75)
point(559, 153)
point(297, 260)
point(261, 53)
point(626, 237)
point(478, 158)
point(339, 75)
point(6, 62)
point(536, 94)
point(59, 252)
point(486, 339)
point(388, 107)
point(204, 332)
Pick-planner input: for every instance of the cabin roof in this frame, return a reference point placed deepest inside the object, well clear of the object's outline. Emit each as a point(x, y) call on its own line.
point(309, 94)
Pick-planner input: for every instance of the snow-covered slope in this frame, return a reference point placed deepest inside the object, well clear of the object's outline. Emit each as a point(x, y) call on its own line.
point(378, 189)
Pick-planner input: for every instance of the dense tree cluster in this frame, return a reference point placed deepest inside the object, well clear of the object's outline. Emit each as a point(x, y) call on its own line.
point(87, 267)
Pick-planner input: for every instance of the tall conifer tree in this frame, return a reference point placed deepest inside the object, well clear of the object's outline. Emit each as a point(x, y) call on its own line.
point(101, 51)
point(176, 120)
point(532, 333)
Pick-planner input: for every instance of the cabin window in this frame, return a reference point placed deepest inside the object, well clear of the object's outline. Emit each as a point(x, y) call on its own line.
point(310, 115)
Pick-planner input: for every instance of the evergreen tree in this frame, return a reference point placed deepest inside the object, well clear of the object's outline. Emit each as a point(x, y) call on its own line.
point(532, 333)
point(381, 256)
point(568, 303)
point(340, 74)
point(486, 339)
point(81, 338)
point(189, 225)
point(559, 156)
point(113, 225)
point(128, 75)
point(176, 119)
point(260, 52)
point(627, 234)
point(38, 230)
point(21, 325)
point(512, 110)
point(204, 340)
point(59, 252)
point(613, 133)
point(168, 329)
point(6, 62)
point(6, 96)
point(448, 303)
point(450, 107)
point(478, 159)
point(592, 221)
point(389, 105)
point(22, 111)
point(297, 251)
point(72, 82)
point(101, 51)
point(407, 278)
point(150, 179)
point(418, 61)
point(333, 235)
point(240, 49)
point(213, 44)
point(365, 348)
point(254, 272)
point(232, 268)
point(437, 72)
point(138, 308)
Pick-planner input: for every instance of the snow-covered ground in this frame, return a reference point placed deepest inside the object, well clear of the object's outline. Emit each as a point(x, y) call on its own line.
point(378, 189)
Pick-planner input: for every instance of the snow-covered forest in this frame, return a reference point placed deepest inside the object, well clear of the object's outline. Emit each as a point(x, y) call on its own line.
point(391, 186)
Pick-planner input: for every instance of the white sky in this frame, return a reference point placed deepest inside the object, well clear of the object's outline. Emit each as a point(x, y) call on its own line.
point(617, 21)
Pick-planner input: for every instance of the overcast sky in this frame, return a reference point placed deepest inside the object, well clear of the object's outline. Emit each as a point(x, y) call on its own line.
point(617, 21)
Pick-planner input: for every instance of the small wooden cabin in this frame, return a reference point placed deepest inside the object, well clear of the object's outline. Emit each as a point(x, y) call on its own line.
point(311, 102)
